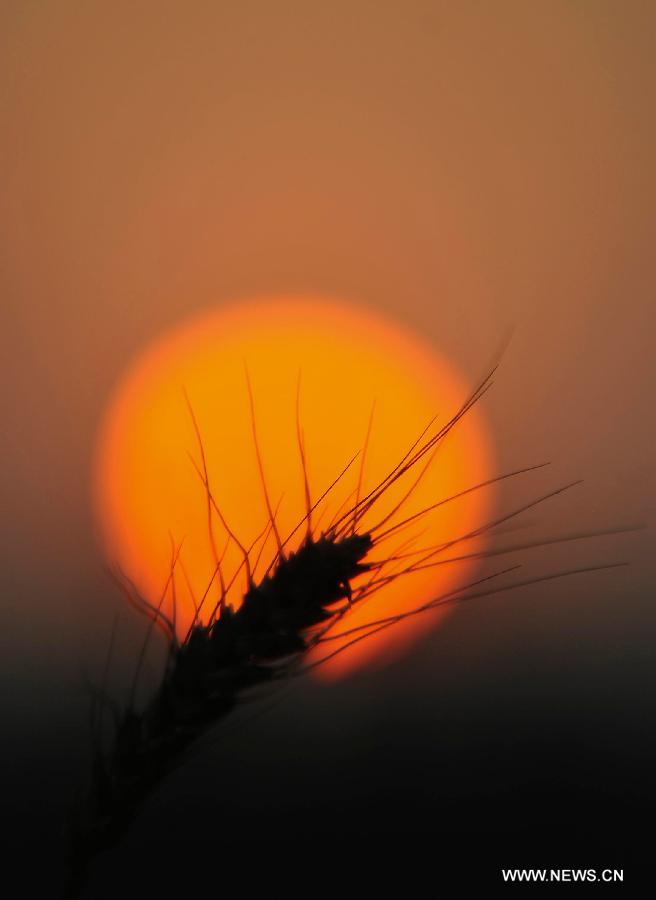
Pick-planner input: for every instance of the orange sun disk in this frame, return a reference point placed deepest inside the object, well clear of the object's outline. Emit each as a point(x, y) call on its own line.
point(151, 503)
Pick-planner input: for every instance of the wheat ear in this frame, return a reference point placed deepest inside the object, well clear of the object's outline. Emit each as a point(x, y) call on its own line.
point(293, 609)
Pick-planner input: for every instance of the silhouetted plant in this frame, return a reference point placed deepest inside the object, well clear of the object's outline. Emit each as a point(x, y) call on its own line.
point(295, 608)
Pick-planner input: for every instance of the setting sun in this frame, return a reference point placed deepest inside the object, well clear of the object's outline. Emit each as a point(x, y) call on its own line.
point(349, 373)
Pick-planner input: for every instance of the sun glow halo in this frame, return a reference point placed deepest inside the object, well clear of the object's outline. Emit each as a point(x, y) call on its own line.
point(149, 498)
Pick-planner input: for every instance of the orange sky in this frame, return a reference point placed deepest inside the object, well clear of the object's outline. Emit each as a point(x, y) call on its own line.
point(463, 167)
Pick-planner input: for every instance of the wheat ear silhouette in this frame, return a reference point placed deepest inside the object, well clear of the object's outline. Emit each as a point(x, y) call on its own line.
point(294, 608)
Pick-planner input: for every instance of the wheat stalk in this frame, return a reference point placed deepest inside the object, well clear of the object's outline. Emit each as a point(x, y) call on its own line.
point(293, 609)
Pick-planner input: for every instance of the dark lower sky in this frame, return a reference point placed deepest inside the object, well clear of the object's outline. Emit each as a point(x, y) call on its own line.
point(465, 168)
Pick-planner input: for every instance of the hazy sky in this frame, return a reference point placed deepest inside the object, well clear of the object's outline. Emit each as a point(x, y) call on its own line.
point(465, 167)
